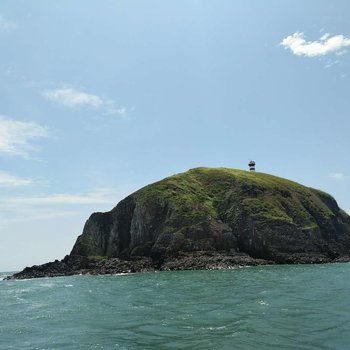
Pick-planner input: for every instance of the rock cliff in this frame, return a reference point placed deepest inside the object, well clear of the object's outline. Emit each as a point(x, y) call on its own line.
point(210, 218)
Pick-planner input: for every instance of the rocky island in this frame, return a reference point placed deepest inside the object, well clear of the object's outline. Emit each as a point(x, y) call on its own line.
point(208, 218)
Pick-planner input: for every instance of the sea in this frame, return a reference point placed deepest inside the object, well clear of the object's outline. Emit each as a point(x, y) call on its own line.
point(264, 307)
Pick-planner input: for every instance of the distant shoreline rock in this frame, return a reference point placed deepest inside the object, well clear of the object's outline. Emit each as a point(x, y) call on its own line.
point(209, 218)
point(79, 265)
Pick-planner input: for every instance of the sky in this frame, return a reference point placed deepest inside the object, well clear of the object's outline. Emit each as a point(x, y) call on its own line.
point(98, 99)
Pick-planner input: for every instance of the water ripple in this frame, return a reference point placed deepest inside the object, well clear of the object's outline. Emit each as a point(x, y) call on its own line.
point(272, 307)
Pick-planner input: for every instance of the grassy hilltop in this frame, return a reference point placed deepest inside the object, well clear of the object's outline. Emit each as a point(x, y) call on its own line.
point(222, 193)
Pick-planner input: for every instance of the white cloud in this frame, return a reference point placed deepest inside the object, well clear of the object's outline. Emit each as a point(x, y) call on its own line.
point(337, 176)
point(97, 196)
point(6, 24)
point(66, 199)
point(331, 63)
point(73, 98)
point(18, 209)
point(8, 180)
point(118, 111)
point(325, 45)
point(16, 136)
point(48, 206)
point(111, 109)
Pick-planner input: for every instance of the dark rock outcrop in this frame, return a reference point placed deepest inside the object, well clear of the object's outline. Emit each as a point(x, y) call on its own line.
point(209, 218)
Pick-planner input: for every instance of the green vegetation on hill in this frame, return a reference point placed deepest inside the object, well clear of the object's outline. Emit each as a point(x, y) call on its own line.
point(223, 193)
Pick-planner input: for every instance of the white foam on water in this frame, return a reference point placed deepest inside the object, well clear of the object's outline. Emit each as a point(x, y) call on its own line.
point(47, 285)
point(24, 280)
point(212, 328)
point(216, 328)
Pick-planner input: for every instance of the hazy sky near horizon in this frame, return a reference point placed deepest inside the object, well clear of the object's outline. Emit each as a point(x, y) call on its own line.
point(99, 98)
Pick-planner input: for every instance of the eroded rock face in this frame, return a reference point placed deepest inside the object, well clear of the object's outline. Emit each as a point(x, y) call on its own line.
point(107, 234)
point(187, 218)
point(150, 229)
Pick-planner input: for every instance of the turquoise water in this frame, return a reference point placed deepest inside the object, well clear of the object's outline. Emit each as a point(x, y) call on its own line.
point(270, 307)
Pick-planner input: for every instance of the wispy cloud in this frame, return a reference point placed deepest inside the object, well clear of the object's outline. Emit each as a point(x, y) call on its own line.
point(24, 213)
point(6, 24)
point(331, 63)
point(16, 136)
point(9, 180)
point(337, 176)
point(97, 196)
point(91, 198)
point(327, 44)
point(111, 109)
point(48, 206)
point(73, 98)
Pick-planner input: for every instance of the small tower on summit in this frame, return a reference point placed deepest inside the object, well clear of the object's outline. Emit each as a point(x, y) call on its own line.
point(251, 165)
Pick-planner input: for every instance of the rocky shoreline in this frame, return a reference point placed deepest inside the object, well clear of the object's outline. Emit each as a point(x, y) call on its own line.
point(81, 265)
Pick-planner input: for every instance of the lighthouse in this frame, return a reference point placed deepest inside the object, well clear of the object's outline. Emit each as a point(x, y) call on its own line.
point(251, 165)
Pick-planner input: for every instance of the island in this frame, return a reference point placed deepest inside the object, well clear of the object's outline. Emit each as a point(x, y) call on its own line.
point(208, 218)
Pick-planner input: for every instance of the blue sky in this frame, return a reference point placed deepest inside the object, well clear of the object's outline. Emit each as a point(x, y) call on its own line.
point(101, 98)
